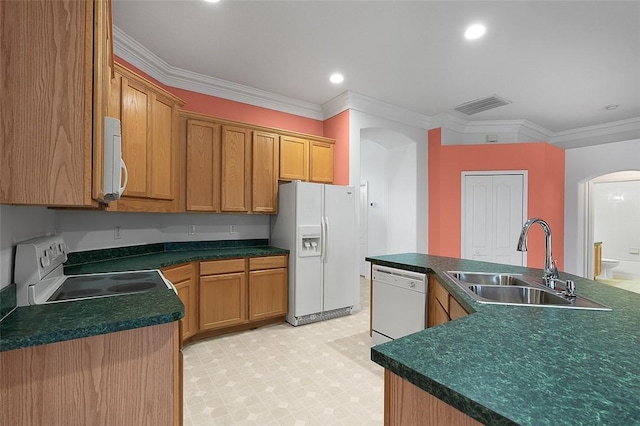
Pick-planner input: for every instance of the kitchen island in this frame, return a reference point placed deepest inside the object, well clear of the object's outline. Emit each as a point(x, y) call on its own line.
point(522, 364)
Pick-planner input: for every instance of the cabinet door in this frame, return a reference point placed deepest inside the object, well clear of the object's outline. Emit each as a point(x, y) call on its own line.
point(455, 309)
point(47, 65)
point(102, 74)
point(264, 183)
point(186, 293)
point(222, 300)
point(150, 143)
point(135, 110)
point(203, 166)
point(437, 314)
point(183, 279)
point(321, 162)
point(294, 158)
point(267, 293)
point(161, 173)
point(438, 303)
point(236, 163)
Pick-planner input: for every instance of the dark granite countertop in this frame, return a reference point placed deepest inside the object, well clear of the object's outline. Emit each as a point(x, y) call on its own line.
point(159, 260)
point(41, 324)
point(524, 365)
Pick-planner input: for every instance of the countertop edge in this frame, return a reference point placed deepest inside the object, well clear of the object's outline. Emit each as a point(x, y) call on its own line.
point(89, 331)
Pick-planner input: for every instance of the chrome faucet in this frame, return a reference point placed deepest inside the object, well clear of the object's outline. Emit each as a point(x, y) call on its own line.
point(550, 273)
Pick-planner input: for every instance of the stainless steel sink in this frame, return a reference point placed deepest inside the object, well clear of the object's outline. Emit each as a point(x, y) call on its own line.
point(488, 278)
point(518, 290)
point(518, 295)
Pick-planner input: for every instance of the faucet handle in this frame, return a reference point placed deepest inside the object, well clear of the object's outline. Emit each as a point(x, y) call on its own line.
point(570, 288)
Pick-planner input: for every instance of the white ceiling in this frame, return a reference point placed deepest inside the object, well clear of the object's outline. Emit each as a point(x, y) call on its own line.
point(559, 63)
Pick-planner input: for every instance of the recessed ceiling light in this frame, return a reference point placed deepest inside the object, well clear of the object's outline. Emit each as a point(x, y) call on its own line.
point(474, 31)
point(212, 1)
point(611, 107)
point(336, 78)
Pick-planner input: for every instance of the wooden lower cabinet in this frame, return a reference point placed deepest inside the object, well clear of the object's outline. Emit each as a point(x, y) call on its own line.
point(443, 307)
point(222, 296)
point(222, 300)
point(268, 290)
point(405, 404)
point(237, 293)
point(128, 377)
point(183, 278)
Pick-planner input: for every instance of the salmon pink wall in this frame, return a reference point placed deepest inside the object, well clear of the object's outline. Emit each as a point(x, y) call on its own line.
point(337, 127)
point(237, 111)
point(545, 165)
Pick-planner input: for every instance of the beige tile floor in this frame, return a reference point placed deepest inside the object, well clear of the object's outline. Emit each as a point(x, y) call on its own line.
point(316, 374)
point(623, 283)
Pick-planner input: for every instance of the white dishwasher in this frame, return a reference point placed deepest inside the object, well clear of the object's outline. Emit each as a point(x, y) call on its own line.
point(399, 304)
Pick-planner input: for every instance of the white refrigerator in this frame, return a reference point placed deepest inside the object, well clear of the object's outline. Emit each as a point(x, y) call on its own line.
point(317, 224)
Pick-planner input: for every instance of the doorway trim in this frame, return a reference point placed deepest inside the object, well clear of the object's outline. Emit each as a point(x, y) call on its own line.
point(363, 232)
point(589, 216)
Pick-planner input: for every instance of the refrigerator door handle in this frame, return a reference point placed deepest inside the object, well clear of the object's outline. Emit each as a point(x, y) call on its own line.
point(326, 240)
point(323, 239)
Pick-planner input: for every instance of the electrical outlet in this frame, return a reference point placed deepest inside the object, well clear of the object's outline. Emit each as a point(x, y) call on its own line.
point(232, 229)
point(117, 234)
point(192, 230)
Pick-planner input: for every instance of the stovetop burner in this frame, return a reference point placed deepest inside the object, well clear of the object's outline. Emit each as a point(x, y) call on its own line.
point(40, 279)
point(102, 285)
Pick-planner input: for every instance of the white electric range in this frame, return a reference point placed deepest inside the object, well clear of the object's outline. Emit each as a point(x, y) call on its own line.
point(40, 278)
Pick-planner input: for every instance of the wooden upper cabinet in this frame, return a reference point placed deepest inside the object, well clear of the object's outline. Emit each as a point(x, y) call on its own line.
point(161, 134)
point(320, 162)
point(306, 160)
point(54, 62)
point(294, 158)
point(203, 166)
point(136, 106)
point(150, 142)
point(264, 176)
point(235, 169)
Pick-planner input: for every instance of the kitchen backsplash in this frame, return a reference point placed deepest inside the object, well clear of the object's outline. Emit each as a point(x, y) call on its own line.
point(97, 230)
point(92, 230)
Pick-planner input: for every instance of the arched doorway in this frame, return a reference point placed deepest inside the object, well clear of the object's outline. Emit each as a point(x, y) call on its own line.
point(388, 168)
point(613, 208)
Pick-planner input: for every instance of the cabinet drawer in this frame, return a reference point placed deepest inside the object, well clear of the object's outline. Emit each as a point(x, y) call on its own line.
point(440, 293)
point(267, 262)
point(221, 266)
point(178, 274)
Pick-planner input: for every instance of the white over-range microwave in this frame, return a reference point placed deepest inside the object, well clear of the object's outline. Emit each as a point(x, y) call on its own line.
point(114, 166)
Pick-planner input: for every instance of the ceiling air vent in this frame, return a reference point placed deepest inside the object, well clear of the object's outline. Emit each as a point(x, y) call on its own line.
point(482, 104)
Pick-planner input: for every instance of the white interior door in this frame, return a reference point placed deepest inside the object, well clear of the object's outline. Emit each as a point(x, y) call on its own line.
point(493, 212)
point(364, 200)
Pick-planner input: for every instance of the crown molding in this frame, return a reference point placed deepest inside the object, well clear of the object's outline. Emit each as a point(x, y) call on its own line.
point(615, 131)
point(133, 52)
point(355, 101)
point(526, 130)
point(449, 121)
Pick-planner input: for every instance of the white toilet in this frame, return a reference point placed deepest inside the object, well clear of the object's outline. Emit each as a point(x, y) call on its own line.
point(607, 266)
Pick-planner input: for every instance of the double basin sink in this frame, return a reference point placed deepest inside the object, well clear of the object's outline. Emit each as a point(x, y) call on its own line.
point(515, 289)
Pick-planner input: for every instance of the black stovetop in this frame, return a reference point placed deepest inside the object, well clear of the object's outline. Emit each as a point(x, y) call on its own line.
point(101, 285)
